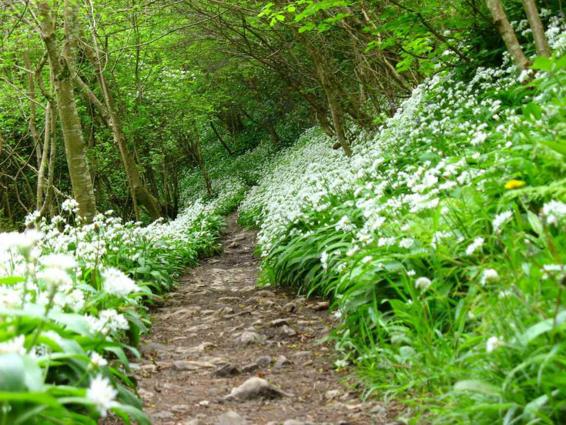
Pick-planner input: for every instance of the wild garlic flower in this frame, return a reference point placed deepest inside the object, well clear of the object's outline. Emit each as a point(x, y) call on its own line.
point(500, 220)
point(493, 343)
point(115, 282)
point(475, 246)
point(553, 212)
point(101, 394)
point(14, 345)
point(97, 360)
point(423, 283)
point(488, 276)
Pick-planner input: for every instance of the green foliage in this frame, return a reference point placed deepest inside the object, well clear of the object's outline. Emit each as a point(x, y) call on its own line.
point(441, 246)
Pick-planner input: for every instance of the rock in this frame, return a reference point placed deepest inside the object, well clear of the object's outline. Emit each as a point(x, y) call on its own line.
point(148, 368)
point(250, 337)
point(224, 311)
point(204, 403)
point(321, 306)
point(226, 371)
point(153, 348)
point(332, 394)
point(290, 307)
point(263, 361)
point(265, 294)
point(230, 418)
point(255, 388)
point(302, 354)
point(281, 362)
point(193, 422)
point(295, 422)
point(191, 365)
point(279, 322)
point(163, 414)
point(180, 408)
point(288, 330)
point(250, 367)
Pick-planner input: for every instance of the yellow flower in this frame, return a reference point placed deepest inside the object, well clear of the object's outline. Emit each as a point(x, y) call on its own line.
point(514, 184)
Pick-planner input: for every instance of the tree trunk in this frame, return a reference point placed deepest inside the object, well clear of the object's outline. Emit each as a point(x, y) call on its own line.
point(139, 192)
point(44, 162)
point(507, 33)
point(219, 137)
point(541, 42)
point(201, 163)
point(33, 109)
point(75, 148)
point(333, 103)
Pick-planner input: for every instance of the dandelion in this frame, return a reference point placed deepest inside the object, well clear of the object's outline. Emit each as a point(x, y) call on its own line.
point(474, 246)
point(514, 184)
point(423, 283)
point(493, 343)
point(489, 275)
point(101, 394)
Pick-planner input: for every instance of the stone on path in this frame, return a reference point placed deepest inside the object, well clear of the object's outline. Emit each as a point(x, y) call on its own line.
point(255, 388)
point(250, 337)
point(230, 418)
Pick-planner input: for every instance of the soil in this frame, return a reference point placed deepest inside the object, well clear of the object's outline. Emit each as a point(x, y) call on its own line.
point(218, 329)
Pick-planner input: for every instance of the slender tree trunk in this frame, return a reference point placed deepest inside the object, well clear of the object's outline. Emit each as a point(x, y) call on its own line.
point(541, 42)
point(44, 162)
point(201, 162)
point(333, 103)
point(139, 192)
point(219, 137)
point(507, 33)
point(33, 109)
point(75, 148)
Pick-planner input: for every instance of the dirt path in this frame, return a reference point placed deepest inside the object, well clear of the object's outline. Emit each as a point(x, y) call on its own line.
point(218, 330)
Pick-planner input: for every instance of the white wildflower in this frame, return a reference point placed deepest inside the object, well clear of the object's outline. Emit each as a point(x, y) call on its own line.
point(55, 277)
point(58, 261)
point(501, 219)
point(101, 394)
point(493, 343)
point(554, 211)
point(489, 275)
point(406, 243)
point(117, 283)
point(14, 345)
point(324, 260)
point(423, 283)
point(97, 360)
point(474, 246)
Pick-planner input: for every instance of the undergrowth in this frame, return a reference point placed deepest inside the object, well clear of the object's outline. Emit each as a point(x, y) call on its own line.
point(441, 243)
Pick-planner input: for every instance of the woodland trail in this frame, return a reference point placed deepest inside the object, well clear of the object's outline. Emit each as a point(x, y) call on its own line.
point(218, 329)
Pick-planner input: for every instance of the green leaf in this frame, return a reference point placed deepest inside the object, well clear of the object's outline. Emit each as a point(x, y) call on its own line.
point(19, 373)
point(542, 327)
point(477, 386)
point(11, 280)
point(557, 147)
